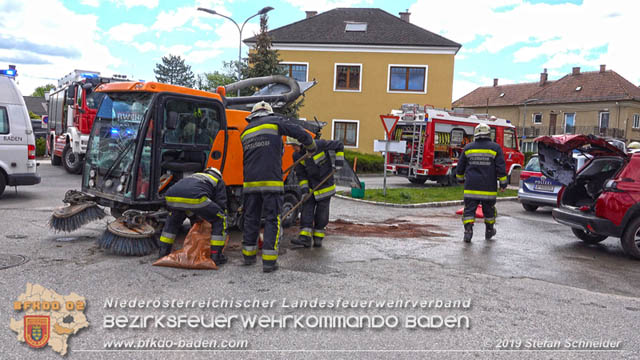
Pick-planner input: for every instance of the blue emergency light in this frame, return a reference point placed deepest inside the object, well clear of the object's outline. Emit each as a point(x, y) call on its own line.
point(89, 76)
point(9, 72)
point(115, 131)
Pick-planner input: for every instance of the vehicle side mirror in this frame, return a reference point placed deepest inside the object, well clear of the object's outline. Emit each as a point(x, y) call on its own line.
point(172, 120)
point(87, 87)
point(71, 91)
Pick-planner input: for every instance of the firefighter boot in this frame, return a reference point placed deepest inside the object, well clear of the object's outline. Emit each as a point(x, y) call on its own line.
point(165, 249)
point(468, 232)
point(317, 241)
point(302, 240)
point(270, 266)
point(489, 232)
point(217, 256)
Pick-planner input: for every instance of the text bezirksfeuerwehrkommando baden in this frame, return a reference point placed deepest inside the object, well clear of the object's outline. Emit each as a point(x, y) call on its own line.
point(285, 303)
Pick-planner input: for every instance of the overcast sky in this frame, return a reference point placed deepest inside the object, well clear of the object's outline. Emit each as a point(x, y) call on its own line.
point(512, 40)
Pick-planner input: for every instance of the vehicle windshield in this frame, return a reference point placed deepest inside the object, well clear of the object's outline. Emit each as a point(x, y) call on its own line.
point(533, 165)
point(114, 132)
point(93, 99)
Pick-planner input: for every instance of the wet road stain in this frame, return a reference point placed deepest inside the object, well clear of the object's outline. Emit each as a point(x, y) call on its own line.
point(399, 228)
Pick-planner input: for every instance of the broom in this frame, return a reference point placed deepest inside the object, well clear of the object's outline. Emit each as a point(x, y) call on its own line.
point(130, 235)
point(308, 195)
point(80, 210)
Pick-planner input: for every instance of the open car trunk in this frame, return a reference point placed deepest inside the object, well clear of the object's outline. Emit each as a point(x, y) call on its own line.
point(583, 184)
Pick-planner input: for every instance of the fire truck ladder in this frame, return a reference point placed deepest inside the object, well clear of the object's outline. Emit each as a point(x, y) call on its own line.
point(417, 153)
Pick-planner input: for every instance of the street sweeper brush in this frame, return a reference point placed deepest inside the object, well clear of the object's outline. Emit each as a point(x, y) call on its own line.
point(80, 209)
point(130, 235)
point(72, 217)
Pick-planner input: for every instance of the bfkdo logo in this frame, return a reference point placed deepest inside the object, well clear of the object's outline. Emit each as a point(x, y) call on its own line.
point(49, 318)
point(36, 330)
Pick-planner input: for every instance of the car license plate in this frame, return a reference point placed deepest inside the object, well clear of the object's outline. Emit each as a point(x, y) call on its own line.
point(543, 187)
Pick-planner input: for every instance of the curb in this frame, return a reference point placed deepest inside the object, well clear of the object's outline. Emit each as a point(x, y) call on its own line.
point(419, 205)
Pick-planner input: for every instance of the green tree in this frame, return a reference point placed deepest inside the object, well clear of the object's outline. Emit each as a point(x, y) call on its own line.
point(33, 115)
point(41, 90)
point(211, 81)
point(174, 71)
point(264, 61)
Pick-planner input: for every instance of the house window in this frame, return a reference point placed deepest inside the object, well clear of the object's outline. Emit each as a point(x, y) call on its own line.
point(569, 123)
point(346, 131)
point(355, 26)
point(636, 121)
point(604, 120)
point(297, 71)
point(348, 77)
point(4, 121)
point(537, 118)
point(407, 78)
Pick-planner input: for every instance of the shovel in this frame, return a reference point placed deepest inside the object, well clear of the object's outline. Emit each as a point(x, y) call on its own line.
point(308, 195)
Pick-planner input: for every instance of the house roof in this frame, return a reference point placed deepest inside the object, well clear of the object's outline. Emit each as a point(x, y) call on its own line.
point(593, 86)
point(382, 29)
point(36, 104)
point(514, 94)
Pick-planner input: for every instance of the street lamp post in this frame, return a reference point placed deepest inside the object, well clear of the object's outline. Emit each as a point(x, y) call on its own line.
point(240, 28)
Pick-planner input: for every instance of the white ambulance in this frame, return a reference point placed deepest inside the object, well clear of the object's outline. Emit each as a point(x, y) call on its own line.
point(17, 141)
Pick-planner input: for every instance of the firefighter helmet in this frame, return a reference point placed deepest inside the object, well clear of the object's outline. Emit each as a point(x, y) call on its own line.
point(482, 131)
point(261, 108)
point(634, 145)
point(213, 171)
point(293, 141)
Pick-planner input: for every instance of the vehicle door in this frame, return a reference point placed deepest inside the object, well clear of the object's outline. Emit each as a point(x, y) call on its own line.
point(189, 127)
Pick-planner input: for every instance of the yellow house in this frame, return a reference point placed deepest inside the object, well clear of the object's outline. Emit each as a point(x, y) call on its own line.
point(367, 62)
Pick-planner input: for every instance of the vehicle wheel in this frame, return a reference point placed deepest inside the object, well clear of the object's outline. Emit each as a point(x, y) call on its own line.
point(589, 238)
point(55, 160)
point(71, 161)
point(531, 208)
point(290, 200)
point(631, 239)
point(418, 180)
point(3, 183)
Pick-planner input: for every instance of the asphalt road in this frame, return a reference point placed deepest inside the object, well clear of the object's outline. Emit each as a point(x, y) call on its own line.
point(535, 282)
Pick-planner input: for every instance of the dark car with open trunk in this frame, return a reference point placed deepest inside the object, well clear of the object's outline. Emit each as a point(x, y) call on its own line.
point(600, 199)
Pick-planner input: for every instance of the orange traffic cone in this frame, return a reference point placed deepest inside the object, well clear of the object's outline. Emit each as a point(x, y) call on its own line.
point(479, 214)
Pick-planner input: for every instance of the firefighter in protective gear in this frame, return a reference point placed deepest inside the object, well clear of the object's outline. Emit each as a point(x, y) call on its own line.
point(480, 167)
point(263, 187)
point(204, 195)
point(310, 173)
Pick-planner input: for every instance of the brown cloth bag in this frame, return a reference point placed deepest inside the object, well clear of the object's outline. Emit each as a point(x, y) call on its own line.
point(196, 252)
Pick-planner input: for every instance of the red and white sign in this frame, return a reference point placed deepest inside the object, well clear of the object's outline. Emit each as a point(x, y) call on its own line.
point(389, 123)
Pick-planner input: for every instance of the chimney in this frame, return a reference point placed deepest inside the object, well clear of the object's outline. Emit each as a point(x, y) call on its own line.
point(575, 71)
point(405, 15)
point(311, 13)
point(603, 68)
point(543, 77)
point(495, 82)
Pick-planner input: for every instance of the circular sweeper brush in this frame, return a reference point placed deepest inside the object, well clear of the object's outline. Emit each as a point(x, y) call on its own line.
point(123, 237)
point(73, 216)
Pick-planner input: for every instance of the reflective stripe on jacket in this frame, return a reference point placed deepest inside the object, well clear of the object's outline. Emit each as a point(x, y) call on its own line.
point(481, 166)
point(262, 152)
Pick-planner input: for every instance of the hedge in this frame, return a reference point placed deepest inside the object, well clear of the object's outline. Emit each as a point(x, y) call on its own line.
point(41, 145)
point(367, 163)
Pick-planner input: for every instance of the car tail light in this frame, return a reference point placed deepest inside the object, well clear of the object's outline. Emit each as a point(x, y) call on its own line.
point(585, 208)
point(524, 176)
point(32, 152)
point(559, 199)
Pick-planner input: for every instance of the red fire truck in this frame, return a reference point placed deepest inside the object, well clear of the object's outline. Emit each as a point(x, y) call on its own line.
point(72, 108)
point(435, 139)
